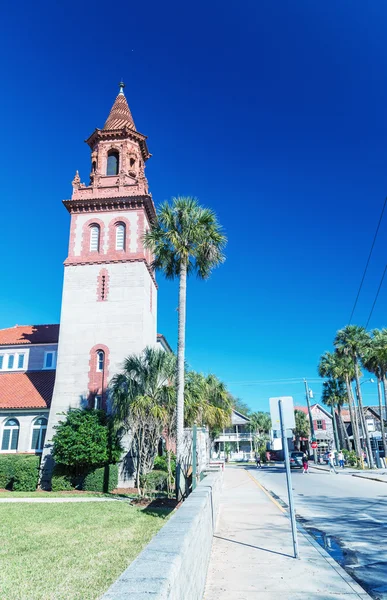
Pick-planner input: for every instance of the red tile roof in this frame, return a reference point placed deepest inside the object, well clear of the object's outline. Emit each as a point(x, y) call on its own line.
point(29, 334)
point(120, 115)
point(303, 409)
point(26, 390)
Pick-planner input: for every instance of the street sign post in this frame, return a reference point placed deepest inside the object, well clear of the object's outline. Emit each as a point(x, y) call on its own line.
point(282, 413)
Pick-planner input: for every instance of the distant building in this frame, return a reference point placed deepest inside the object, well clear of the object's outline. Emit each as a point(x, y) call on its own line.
point(322, 424)
point(237, 439)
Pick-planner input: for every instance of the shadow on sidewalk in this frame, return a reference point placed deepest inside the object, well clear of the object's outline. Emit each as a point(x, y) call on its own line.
point(254, 547)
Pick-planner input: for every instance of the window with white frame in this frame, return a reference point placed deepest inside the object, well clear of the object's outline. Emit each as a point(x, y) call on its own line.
point(120, 236)
point(100, 360)
point(13, 361)
point(49, 359)
point(10, 437)
point(39, 429)
point(94, 238)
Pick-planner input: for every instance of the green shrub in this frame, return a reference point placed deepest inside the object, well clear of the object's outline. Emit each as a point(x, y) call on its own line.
point(61, 480)
point(161, 463)
point(155, 481)
point(350, 457)
point(86, 439)
point(104, 479)
point(19, 472)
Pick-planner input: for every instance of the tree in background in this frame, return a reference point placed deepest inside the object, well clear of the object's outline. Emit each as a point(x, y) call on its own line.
point(240, 406)
point(207, 401)
point(353, 341)
point(375, 361)
point(302, 428)
point(260, 425)
point(334, 395)
point(339, 366)
point(185, 239)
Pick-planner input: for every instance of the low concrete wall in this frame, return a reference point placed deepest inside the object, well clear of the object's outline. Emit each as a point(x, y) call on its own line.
point(174, 564)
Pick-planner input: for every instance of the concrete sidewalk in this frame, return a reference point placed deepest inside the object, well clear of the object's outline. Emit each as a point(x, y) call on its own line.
point(252, 553)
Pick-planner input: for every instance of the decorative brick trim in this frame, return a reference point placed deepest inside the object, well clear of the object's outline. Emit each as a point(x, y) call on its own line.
point(73, 230)
point(103, 285)
point(98, 380)
point(112, 253)
point(78, 260)
point(85, 242)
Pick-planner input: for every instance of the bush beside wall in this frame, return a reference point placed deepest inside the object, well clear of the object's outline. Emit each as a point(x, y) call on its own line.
point(19, 472)
point(104, 479)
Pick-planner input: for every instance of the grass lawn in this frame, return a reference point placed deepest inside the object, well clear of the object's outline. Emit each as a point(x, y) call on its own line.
point(4, 494)
point(70, 551)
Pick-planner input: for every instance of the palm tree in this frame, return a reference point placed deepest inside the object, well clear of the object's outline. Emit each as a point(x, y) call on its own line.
point(302, 428)
point(375, 361)
point(185, 239)
point(340, 367)
point(207, 401)
point(334, 395)
point(352, 341)
point(141, 402)
point(260, 425)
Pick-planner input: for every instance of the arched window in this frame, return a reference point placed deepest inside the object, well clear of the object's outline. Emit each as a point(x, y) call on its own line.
point(38, 434)
point(94, 238)
point(10, 435)
point(112, 163)
point(120, 236)
point(100, 360)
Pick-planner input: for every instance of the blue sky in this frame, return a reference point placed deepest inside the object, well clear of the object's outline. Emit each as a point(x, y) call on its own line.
point(271, 113)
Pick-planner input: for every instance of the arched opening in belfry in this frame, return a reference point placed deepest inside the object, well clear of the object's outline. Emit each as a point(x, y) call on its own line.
point(112, 163)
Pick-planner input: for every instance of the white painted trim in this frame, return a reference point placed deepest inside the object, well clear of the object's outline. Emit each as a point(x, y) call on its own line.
point(15, 354)
point(53, 365)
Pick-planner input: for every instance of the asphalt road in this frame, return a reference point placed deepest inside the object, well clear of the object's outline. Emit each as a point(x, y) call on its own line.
point(348, 515)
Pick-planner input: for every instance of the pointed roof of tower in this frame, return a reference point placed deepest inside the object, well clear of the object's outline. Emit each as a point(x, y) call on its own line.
point(120, 116)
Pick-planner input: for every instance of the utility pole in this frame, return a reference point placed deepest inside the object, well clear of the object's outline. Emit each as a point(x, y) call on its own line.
point(309, 394)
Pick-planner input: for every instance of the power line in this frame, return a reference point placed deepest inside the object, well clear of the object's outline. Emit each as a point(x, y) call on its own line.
point(376, 297)
point(368, 262)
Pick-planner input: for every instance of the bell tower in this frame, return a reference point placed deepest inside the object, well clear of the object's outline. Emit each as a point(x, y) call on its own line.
point(109, 302)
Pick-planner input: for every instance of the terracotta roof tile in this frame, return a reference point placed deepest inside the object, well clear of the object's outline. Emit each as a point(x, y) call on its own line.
point(26, 390)
point(29, 334)
point(120, 115)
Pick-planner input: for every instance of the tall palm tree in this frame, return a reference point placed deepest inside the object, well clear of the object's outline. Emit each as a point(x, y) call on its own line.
point(352, 341)
point(207, 401)
point(185, 239)
point(375, 361)
point(333, 395)
point(260, 425)
point(340, 367)
point(141, 402)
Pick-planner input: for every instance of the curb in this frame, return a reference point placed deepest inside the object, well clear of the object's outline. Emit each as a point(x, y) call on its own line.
point(357, 589)
point(370, 478)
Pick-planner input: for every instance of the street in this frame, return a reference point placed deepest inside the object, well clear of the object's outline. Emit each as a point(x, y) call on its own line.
point(347, 514)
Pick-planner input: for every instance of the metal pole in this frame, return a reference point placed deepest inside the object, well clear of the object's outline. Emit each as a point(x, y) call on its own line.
point(310, 421)
point(194, 468)
point(289, 481)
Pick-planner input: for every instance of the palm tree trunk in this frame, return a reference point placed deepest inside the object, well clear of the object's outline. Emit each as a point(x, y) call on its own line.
point(381, 416)
point(180, 476)
point(343, 429)
point(355, 430)
point(362, 417)
point(334, 423)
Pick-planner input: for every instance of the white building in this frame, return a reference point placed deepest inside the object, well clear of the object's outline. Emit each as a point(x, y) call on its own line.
point(235, 441)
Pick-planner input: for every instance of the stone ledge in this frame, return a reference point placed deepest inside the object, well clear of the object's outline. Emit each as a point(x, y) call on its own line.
point(174, 564)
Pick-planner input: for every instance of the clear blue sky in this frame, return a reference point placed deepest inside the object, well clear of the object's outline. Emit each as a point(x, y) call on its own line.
point(271, 113)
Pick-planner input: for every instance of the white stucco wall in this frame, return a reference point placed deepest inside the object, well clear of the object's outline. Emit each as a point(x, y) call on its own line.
point(124, 323)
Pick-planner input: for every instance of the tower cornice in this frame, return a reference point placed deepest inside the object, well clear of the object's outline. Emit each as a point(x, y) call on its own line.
point(123, 202)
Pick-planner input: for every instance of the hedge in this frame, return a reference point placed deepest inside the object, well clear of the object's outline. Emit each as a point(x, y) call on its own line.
point(155, 481)
point(104, 479)
point(61, 481)
point(19, 473)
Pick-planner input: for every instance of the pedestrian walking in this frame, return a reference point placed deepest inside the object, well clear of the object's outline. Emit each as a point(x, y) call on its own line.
point(258, 460)
point(305, 464)
point(331, 462)
point(341, 460)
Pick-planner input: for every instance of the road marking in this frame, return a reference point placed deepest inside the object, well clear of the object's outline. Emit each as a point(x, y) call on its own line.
point(266, 492)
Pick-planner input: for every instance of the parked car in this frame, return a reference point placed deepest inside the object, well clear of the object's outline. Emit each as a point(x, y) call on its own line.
point(296, 460)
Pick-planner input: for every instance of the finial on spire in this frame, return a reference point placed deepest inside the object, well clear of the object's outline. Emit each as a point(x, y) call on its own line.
point(122, 85)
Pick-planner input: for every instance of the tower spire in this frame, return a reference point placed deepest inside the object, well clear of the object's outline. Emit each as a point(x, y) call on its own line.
point(120, 116)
